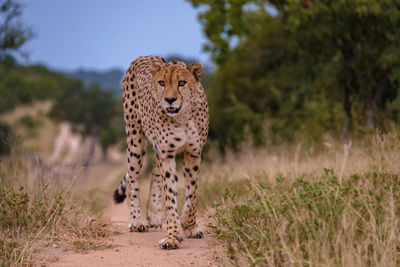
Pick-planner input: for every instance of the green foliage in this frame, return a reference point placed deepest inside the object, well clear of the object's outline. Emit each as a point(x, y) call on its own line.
point(114, 130)
point(92, 110)
point(21, 211)
point(108, 137)
point(30, 124)
point(89, 109)
point(13, 34)
point(301, 67)
point(209, 192)
point(314, 223)
point(25, 84)
point(23, 216)
point(360, 41)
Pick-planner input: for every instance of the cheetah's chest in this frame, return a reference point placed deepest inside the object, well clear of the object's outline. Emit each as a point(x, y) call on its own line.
point(173, 138)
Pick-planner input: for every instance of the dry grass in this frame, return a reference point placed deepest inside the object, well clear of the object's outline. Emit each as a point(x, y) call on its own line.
point(378, 151)
point(35, 130)
point(325, 204)
point(49, 205)
point(39, 209)
point(295, 205)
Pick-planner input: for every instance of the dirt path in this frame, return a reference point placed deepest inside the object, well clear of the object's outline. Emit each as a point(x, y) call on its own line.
point(133, 249)
point(140, 249)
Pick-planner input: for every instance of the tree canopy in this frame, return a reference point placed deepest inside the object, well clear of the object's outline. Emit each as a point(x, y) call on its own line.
point(308, 67)
point(91, 111)
point(13, 34)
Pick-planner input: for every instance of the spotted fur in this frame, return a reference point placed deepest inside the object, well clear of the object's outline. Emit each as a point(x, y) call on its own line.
point(165, 104)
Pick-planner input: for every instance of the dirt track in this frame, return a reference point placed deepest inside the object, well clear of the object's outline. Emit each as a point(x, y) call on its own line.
point(133, 249)
point(140, 249)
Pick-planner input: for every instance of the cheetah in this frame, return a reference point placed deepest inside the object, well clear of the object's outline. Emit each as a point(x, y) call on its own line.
point(165, 104)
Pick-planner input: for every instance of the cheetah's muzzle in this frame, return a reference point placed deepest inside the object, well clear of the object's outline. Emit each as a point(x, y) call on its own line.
point(172, 110)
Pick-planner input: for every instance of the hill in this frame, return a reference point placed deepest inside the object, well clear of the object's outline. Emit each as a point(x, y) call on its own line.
point(21, 85)
point(108, 80)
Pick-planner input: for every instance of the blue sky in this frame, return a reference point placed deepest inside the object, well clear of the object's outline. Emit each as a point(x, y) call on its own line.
point(100, 34)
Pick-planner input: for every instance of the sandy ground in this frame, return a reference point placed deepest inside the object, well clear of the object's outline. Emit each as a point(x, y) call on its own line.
point(140, 249)
point(137, 249)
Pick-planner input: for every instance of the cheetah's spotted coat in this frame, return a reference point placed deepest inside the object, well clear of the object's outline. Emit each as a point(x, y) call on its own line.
point(165, 104)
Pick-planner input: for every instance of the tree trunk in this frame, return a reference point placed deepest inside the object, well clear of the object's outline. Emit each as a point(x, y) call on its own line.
point(88, 160)
point(371, 116)
point(347, 77)
point(349, 118)
point(104, 153)
point(348, 122)
point(373, 100)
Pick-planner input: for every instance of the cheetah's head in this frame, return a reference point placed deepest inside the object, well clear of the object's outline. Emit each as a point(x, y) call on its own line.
point(175, 84)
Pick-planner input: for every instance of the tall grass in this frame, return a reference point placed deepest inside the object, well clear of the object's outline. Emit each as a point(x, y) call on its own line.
point(38, 209)
point(333, 205)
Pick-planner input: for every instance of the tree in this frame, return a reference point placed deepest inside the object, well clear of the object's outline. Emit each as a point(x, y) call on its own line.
point(291, 63)
point(13, 34)
point(90, 111)
point(361, 39)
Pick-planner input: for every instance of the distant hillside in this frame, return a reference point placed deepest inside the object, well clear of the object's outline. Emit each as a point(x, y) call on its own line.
point(21, 85)
point(110, 79)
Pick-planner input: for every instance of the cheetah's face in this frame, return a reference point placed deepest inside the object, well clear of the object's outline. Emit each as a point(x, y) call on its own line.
point(174, 86)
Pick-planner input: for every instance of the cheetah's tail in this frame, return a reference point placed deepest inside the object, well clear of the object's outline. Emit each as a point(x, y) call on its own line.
point(119, 193)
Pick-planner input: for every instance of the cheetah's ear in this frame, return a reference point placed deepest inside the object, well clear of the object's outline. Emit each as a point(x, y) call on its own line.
point(196, 69)
point(155, 68)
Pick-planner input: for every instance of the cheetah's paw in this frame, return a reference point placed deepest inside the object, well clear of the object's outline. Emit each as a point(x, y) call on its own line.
point(169, 242)
point(138, 226)
point(194, 232)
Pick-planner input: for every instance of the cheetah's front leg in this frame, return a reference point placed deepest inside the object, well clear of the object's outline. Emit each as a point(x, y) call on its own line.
point(191, 171)
point(170, 185)
point(135, 153)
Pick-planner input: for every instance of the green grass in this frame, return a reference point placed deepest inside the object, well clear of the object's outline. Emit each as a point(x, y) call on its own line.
point(209, 192)
point(323, 222)
point(302, 206)
point(23, 217)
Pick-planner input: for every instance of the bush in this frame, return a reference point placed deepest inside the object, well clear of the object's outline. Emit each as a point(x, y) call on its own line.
point(315, 223)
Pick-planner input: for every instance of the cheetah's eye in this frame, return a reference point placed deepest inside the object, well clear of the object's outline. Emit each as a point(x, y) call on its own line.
point(161, 83)
point(181, 83)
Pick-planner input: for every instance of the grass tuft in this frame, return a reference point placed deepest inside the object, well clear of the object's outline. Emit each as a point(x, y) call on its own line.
point(321, 222)
point(36, 212)
point(340, 215)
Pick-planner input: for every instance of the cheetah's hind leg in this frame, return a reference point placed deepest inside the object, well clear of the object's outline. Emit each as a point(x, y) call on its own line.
point(154, 204)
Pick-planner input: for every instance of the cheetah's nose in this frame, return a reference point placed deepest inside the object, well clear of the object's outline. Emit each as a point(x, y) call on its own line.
point(170, 100)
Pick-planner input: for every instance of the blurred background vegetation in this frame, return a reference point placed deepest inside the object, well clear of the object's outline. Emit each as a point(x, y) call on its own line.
point(302, 68)
point(283, 71)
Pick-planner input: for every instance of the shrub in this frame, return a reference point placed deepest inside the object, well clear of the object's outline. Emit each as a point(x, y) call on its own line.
point(324, 222)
